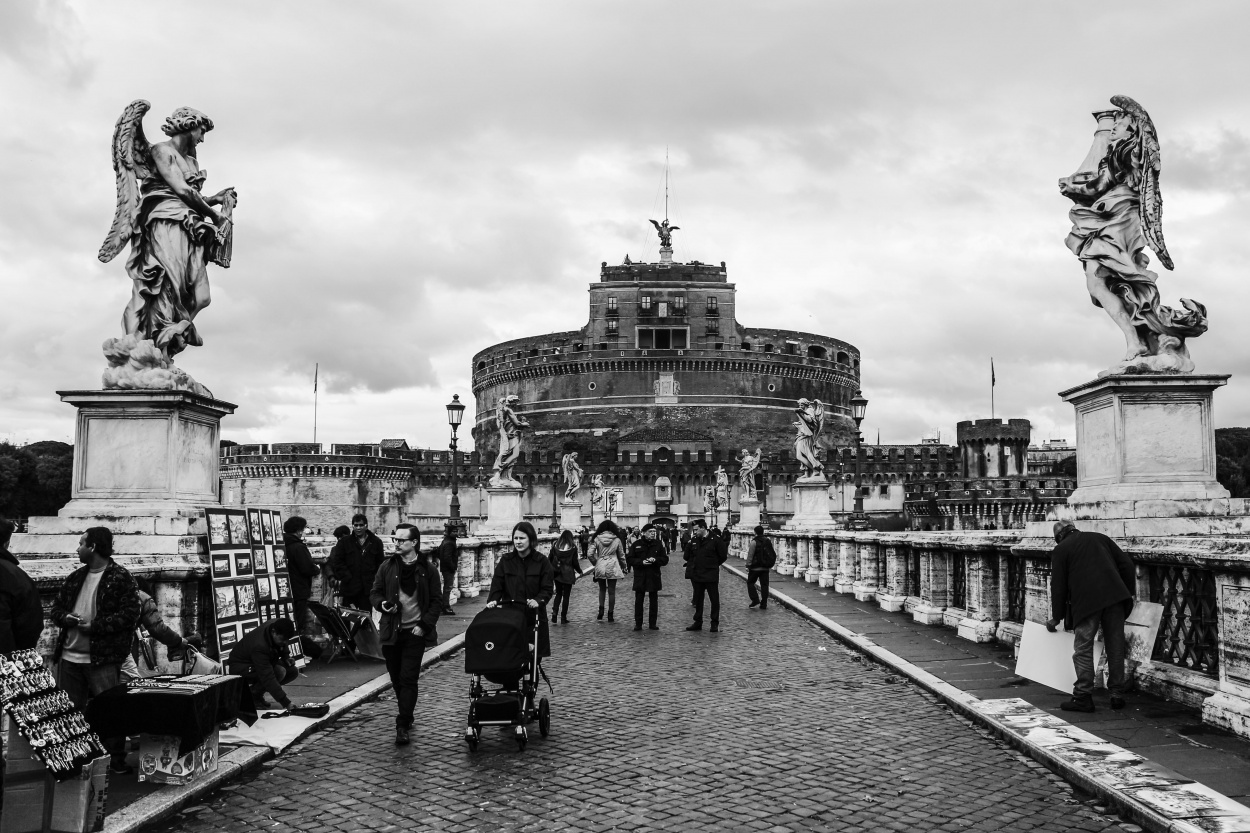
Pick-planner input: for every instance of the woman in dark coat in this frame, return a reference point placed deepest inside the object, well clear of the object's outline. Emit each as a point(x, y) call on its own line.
point(564, 563)
point(525, 575)
point(647, 556)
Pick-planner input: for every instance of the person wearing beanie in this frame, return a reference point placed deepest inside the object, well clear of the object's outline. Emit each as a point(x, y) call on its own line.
point(647, 556)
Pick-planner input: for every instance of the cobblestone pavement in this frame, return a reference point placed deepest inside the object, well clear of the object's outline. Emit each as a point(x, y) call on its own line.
point(767, 726)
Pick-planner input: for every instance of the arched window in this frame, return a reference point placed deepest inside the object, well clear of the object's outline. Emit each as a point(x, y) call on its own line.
point(481, 365)
point(843, 358)
point(817, 352)
point(746, 345)
point(768, 348)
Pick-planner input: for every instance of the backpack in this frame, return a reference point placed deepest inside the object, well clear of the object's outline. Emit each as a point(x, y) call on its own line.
point(765, 554)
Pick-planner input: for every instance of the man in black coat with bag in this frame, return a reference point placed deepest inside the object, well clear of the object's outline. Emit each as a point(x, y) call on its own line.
point(760, 559)
point(703, 556)
point(354, 563)
point(646, 557)
point(1091, 585)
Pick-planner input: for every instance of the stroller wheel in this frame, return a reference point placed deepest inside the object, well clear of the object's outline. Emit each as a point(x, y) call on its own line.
point(544, 717)
point(521, 738)
point(471, 736)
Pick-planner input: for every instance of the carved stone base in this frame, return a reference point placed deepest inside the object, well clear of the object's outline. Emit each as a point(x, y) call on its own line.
point(1145, 437)
point(812, 574)
point(1228, 708)
point(977, 630)
point(890, 602)
point(927, 614)
point(811, 506)
point(570, 515)
point(722, 517)
point(865, 591)
point(749, 513)
point(503, 509)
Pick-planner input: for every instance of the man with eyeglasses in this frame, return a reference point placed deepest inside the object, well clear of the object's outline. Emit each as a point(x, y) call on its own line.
point(354, 562)
point(407, 592)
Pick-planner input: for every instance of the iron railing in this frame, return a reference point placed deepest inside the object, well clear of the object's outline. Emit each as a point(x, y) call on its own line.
point(1189, 630)
point(1015, 589)
point(912, 581)
point(959, 580)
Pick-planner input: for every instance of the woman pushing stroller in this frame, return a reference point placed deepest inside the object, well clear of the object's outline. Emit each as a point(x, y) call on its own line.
point(524, 575)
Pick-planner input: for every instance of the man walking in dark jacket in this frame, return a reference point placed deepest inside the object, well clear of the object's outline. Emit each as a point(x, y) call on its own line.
point(1091, 585)
point(406, 591)
point(300, 566)
point(448, 563)
point(703, 556)
point(354, 563)
point(21, 616)
point(760, 559)
point(647, 556)
point(97, 610)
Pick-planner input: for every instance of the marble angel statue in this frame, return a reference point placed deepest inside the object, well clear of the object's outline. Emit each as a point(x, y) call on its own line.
point(811, 414)
point(510, 426)
point(597, 490)
point(572, 476)
point(1118, 214)
point(174, 232)
point(748, 465)
point(722, 486)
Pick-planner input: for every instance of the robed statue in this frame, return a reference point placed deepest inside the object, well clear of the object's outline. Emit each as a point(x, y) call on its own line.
point(748, 465)
point(174, 231)
point(722, 486)
point(811, 414)
point(510, 426)
point(572, 476)
point(597, 490)
point(1117, 215)
point(666, 233)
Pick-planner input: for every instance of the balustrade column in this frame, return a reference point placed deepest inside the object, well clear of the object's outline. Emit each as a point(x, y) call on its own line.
point(814, 567)
point(800, 557)
point(828, 562)
point(866, 582)
point(983, 605)
point(893, 592)
point(934, 586)
point(784, 545)
point(845, 581)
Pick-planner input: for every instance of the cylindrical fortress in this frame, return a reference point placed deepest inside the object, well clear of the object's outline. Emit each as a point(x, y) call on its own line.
point(663, 349)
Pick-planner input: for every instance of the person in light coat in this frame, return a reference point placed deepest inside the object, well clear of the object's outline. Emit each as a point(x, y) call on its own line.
point(608, 556)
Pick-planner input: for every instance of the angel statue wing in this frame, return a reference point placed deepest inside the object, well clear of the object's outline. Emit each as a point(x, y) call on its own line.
point(1150, 205)
point(132, 158)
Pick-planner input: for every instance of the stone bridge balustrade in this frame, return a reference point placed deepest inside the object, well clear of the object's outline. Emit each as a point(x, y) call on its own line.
point(844, 582)
point(867, 569)
point(828, 562)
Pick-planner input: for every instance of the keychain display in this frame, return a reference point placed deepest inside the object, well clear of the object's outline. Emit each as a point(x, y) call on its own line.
point(58, 733)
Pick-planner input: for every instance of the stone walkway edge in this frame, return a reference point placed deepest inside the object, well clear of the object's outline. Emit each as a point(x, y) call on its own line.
point(165, 803)
point(1140, 791)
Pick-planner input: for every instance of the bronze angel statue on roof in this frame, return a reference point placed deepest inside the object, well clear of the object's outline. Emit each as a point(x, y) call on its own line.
point(1118, 213)
point(174, 232)
point(666, 232)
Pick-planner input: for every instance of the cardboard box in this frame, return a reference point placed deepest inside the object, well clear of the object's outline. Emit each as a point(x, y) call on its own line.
point(78, 803)
point(160, 763)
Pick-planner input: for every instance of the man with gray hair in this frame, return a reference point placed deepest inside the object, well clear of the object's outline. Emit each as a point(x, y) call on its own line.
point(1091, 586)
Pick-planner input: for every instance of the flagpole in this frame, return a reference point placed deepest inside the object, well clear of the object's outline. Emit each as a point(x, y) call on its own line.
point(993, 382)
point(316, 370)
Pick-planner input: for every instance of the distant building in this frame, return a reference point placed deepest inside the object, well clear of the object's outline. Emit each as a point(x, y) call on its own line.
point(1049, 456)
point(995, 487)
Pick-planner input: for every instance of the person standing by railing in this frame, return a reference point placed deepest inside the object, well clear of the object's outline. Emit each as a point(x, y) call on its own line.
point(1091, 585)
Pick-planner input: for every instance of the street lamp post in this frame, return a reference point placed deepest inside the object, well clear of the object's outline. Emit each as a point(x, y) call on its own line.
point(555, 481)
point(764, 493)
point(858, 406)
point(455, 413)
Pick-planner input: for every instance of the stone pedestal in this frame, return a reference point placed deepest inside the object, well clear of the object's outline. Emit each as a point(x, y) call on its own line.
point(1145, 438)
point(503, 509)
point(721, 517)
point(811, 506)
point(749, 513)
point(570, 515)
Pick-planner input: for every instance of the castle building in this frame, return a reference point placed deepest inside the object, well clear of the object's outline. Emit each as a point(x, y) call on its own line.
point(998, 485)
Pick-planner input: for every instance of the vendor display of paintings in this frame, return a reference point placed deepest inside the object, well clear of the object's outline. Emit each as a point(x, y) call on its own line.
point(234, 580)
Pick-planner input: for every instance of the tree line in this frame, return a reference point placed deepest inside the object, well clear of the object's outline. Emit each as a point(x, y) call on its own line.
point(35, 479)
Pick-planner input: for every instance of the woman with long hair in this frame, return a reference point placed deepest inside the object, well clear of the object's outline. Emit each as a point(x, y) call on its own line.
point(564, 558)
point(608, 556)
point(524, 574)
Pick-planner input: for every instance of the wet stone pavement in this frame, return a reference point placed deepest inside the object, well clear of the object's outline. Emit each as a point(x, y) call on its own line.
point(769, 725)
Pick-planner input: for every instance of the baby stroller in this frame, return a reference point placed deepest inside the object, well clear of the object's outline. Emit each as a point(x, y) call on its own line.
point(500, 648)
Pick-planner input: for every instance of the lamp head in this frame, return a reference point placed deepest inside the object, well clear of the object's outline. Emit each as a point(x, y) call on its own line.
point(858, 406)
point(455, 411)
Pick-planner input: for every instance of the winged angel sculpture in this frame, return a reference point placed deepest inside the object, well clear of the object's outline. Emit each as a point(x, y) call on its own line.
point(1118, 212)
point(174, 232)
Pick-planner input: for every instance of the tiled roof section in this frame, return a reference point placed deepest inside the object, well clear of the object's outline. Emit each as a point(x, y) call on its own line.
point(665, 434)
point(401, 444)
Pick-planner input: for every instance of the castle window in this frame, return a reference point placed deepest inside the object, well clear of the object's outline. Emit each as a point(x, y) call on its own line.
point(591, 386)
point(679, 304)
point(713, 306)
point(843, 358)
point(884, 490)
point(771, 387)
point(768, 348)
point(613, 327)
point(816, 352)
point(645, 303)
point(481, 365)
point(612, 303)
point(746, 346)
point(713, 326)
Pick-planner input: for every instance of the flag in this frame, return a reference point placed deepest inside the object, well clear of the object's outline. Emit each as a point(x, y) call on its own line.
point(993, 381)
point(316, 370)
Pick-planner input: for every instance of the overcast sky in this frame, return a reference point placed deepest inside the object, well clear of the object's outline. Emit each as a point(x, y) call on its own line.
point(420, 180)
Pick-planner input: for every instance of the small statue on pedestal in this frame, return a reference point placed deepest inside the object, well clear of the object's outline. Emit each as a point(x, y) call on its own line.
point(722, 486)
point(510, 426)
point(1118, 212)
point(572, 476)
point(811, 414)
point(173, 232)
point(666, 233)
point(597, 490)
point(748, 465)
